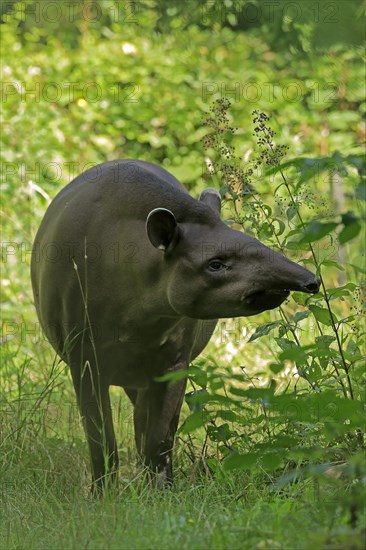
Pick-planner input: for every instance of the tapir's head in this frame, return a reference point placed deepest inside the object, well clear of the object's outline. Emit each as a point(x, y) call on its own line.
point(213, 271)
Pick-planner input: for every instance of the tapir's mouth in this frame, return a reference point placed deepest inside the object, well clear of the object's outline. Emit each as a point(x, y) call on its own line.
point(265, 299)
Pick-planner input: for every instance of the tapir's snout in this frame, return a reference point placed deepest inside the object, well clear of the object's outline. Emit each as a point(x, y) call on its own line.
point(298, 278)
point(284, 274)
point(311, 286)
point(275, 282)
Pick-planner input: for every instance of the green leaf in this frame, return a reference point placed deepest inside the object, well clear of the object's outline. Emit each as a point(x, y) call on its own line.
point(325, 340)
point(300, 315)
point(332, 263)
point(198, 375)
point(172, 376)
point(296, 354)
point(322, 315)
point(266, 230)
point(285, 343)
point(329, 408)
point(227, 415)
point(271, 461)
point(348, 218)
point(220, 433)
point(252, 393)
point(361, 191)
point(193, 399)
point(291, 212)
point(202, 396)
point(281, 227)
point(262, 330)
point(284, 480)
point(236, 461)
point(276, 367)
point(300, 298)
point(314, 372)
point(349, 232)
point(345, 290)
point(315, 231)
point(286, 441)
point(297, 245)
point(193, 422)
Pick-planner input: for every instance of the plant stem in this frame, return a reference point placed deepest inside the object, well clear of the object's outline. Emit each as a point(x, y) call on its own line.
point(326, 298)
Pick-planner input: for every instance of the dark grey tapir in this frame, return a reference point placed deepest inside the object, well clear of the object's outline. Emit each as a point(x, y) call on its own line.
point(130, 274)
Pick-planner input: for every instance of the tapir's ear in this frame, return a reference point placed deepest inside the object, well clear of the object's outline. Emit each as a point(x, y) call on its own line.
point(212, 198)
point(162, 228)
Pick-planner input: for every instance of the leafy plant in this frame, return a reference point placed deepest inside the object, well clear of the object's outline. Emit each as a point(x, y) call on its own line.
point(264, 409)
point(316, 423)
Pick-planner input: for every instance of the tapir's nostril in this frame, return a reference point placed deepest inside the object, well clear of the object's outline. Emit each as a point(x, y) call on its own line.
point(313, 287)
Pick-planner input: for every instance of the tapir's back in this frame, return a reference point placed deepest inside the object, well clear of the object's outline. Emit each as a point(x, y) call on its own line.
point(130, 186)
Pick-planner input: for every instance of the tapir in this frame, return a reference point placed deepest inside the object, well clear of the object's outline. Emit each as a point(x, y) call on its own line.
point(130, 275)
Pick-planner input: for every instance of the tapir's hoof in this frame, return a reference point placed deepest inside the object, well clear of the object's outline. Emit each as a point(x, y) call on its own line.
point(159, 480)
point(164, 481)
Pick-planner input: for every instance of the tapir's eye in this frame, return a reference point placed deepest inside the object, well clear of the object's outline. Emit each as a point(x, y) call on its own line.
point(216, 265)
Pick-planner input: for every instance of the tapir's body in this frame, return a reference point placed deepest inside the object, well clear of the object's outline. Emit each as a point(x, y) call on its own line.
point(129, 274)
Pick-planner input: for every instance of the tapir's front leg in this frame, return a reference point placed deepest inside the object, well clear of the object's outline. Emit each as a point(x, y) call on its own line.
point(95, 410)
point(156, 416)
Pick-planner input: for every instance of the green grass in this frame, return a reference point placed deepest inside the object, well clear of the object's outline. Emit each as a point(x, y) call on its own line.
point(46, 501)
point(231, 513)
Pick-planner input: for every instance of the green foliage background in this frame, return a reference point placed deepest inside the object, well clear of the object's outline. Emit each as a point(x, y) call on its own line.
point(103, 80)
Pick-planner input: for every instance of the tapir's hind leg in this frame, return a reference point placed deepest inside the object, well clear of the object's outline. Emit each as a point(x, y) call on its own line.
point(95, 409)
point(156, 416)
